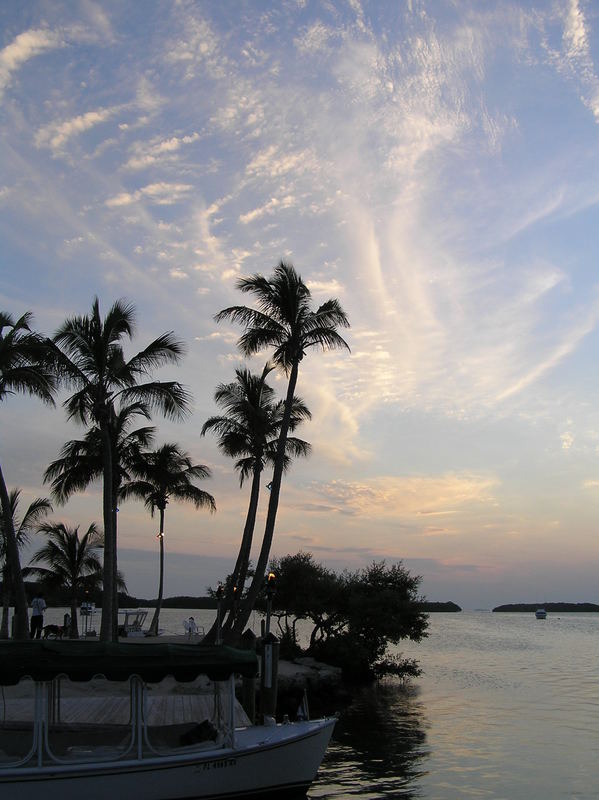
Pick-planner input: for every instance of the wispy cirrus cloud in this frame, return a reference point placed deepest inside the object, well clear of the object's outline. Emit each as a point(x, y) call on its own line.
point(413, 497)
point(273, 205)
point(198, 48)
point(147, 154)
point(161, 194)
point(25, 46)
point(574, 57)
point(56, 134)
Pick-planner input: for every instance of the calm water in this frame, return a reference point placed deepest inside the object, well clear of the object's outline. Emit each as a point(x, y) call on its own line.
point(508, 708)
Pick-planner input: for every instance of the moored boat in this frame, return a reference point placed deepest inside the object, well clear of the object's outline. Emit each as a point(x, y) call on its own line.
point(204, 759)
point(540, 613)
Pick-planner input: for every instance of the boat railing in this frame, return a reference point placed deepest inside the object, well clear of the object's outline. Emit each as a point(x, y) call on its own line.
point(54, 741)
point(49, 729)
point(223, 723)
point(6, 760)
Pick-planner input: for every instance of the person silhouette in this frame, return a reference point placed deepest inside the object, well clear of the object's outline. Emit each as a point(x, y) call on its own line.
point(38, 606)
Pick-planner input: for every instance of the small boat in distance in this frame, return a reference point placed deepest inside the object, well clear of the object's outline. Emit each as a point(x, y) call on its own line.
point(540, 613)
point(209, 759)
point(133, 621)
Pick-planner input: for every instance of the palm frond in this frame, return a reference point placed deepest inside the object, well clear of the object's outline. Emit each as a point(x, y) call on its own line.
point(24, 364)
point(69, 559)
point(192, 494)
point(119, 321)
point(37, 509)
point(171, 398)
point(165, 349)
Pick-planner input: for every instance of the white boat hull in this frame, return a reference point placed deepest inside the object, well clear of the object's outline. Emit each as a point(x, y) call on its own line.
point(266, 761)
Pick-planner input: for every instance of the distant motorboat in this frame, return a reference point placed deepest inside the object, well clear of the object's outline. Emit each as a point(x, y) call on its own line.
point(540, 613)
point(132, 624)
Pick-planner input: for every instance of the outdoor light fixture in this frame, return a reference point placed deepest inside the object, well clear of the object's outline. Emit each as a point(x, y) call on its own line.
point(270, 590)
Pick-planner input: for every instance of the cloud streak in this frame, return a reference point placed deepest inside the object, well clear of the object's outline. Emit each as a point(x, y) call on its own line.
point(25, 46)
point(409, 497)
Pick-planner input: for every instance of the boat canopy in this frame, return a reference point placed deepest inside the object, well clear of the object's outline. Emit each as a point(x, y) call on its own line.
point(82, 660)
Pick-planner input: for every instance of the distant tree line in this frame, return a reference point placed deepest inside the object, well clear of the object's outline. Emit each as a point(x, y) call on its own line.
point(563, 607)
point(432, 607)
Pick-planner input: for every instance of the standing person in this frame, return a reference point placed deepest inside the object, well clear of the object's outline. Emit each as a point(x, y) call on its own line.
point(38, 606)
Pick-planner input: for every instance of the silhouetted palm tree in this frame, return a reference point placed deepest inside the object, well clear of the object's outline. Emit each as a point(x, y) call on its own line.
point(72, 563)
point(25, 368)
point(24, 527)
point(80, 462)
point(93, 363)
point(249, 431)
point(164, 474)
point(285, 321)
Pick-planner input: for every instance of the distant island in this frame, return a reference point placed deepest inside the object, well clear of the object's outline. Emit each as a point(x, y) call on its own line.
point(57, 596)
point(180, 601)
point(431, 607)
point(561, 607)
point(60, 597)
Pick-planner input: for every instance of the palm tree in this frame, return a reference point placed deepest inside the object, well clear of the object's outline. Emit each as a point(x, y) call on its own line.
point(25, 368)
point(93, 363)
point(80, 461)
point(162, 474)
point(284, 320)
point(248, 431)
point(23, 528)
point(73, 563)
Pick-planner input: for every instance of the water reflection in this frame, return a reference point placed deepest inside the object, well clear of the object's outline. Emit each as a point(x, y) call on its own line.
point(378, 746)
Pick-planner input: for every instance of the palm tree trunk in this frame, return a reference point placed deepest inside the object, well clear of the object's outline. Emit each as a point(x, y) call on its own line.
point(115, 482)
point(243, 560)
point(12, 556)
point(74, 630)
point(106, 627)
point(115, 585)
point(5, 602)
point(273, 505)
point(241, 565)
point(156, 617)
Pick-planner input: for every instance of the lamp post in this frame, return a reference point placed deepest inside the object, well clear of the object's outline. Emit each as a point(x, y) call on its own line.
point(219, 600)
point(270, 651)
point(270, 591)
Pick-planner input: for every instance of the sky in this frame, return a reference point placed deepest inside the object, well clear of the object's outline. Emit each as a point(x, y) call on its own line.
point(433, 165)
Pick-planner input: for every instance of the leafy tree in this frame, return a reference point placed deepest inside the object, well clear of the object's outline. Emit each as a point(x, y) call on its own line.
point(305, 590)
point(92, 362)
point(355, 615)
point(25, 368)
point(285, 321)
point(248, 431)
point(164, 474)
point(23, 529)
point(72, 563)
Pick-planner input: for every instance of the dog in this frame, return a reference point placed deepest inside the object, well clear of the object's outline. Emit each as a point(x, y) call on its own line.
point(53, 631)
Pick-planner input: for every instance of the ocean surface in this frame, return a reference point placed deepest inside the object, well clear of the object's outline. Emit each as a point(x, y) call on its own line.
point(507, 708)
